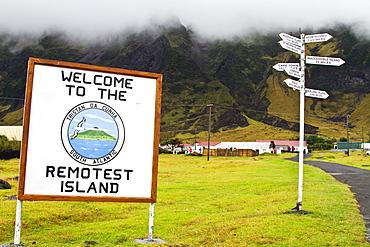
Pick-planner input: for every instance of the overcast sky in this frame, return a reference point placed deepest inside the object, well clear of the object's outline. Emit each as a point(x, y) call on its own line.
point(210, 18)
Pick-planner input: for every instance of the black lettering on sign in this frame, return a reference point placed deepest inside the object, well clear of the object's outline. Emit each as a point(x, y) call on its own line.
point(87, 173)
point(110, 82)
point(94, 187)
point(79, 91)
point(107, 81)
point(50, 170)
point(112, 94)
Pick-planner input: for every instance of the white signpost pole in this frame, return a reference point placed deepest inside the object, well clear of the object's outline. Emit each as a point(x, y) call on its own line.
point(18, 223)
point(150, 239)
point(301, 126)
point(297, 45)
point(151, 222)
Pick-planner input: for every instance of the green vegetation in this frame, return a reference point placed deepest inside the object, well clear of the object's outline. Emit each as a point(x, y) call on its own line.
point(235, 75)
point(95, 135)
point(5, 143)
point(172, 143)
point(315, 142)
point(356, 158)
point(227, 201)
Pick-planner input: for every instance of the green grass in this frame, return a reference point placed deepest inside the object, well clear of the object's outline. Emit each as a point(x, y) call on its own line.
point(227, 201)
point(356, 158)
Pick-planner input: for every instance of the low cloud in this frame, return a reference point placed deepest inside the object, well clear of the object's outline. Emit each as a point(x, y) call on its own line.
point(93, 19)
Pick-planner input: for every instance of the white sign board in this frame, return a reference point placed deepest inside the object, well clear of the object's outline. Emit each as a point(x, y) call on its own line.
point(333, 61)
point(90, 133)
point(290, 38)
point(316, 93)
point(290, 46)
point(322, 37)
point(283, 66)
point(296, 85)
point(293, 72)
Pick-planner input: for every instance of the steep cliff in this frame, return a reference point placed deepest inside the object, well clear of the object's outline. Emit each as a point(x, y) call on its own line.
point(234, 75)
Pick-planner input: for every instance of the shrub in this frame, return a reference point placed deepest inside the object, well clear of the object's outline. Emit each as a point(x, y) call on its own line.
point(6, 144)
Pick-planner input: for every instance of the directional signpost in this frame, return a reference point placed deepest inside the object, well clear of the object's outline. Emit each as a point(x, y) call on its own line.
point(293, 72)
point(296, 85)
point(297, 70)
point(317, 38)
point(290, 46)
point(283, 66)
point(333, 61)
point(290, 38)
point(316, 93)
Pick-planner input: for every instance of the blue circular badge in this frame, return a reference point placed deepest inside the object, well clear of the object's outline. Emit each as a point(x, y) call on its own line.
point(92, 133)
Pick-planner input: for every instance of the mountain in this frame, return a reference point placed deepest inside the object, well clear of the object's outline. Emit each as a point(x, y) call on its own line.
point(95, 135)
point(250, 98)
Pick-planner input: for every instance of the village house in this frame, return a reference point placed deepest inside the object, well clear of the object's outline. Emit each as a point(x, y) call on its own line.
point(12, 132)
point(286, 146)
point(260, 146)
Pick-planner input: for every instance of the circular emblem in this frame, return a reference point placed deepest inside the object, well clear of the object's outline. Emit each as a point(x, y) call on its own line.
point(92, 133)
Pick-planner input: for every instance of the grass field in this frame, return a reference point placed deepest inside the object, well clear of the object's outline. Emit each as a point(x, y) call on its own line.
point(227, 201)
point(356, 158)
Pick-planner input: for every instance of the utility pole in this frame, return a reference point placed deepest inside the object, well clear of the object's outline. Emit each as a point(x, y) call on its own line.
point(347, 134)
point(195, 140)
point(363, 140)
point(209, 129)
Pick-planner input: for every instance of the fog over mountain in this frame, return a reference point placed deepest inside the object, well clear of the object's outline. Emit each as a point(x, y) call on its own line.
point(205, 53)
point(93, 19)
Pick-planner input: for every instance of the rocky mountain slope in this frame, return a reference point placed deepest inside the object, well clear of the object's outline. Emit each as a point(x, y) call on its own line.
point(234, 75)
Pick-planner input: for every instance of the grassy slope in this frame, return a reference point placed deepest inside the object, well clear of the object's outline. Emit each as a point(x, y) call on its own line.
point(227, 201)
point(284, 101)
point(356, 158)
point(13, 118)
point(285, 104)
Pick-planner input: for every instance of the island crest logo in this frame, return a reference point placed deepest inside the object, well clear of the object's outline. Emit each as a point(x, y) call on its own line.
point(93, 133)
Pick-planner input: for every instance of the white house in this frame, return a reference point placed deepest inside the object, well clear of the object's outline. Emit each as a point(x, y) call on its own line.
point(260, 147)
point(12, 132)
point(286, 146)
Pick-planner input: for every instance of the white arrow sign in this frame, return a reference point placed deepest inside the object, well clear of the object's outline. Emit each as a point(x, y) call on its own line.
point(296, 85)
point(316, 93)
point(317, 37)
point(290, 46)
point(290, 38)
point(293, 72)
point(282, 66)
point(333, 61)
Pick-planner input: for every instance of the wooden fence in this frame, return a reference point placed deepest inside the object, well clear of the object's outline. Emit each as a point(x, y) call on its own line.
point(228, 152)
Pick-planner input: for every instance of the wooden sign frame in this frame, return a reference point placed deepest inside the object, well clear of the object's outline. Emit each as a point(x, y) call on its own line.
point(64, 102)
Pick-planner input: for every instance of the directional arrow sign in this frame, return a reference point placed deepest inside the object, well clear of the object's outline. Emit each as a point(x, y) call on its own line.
point(282, 66)
point(317, 37)
point(290, 38)
point(296, 85)
point(316, 93)
point(293, 72)
point(333, 61)
point(290, 46)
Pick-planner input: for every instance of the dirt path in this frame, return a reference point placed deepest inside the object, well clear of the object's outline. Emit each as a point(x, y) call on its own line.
point(358, 180)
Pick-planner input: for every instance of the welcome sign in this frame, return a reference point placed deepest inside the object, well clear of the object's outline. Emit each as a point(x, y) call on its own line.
point(90, 133)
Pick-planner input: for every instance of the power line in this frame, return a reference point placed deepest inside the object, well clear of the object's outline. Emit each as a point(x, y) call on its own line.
point(12, 98)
